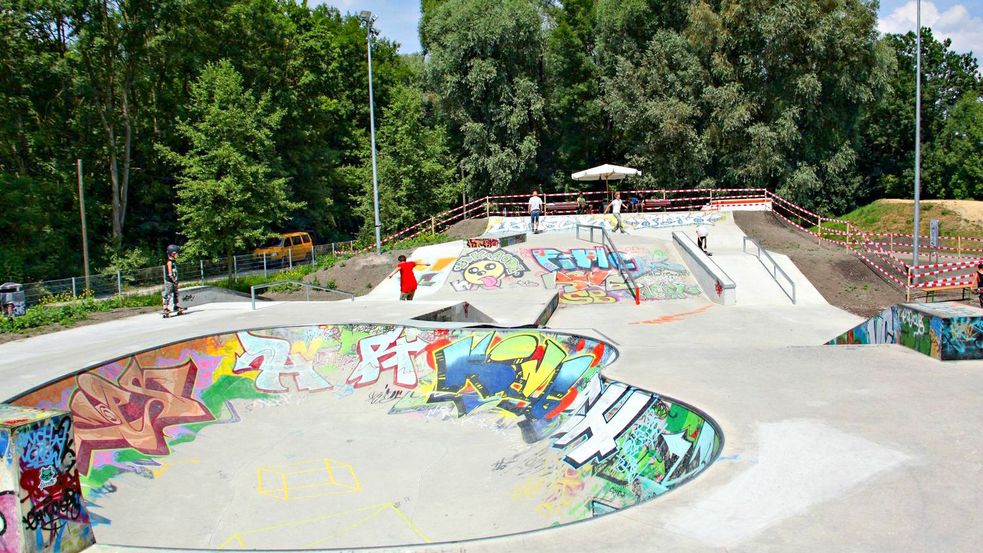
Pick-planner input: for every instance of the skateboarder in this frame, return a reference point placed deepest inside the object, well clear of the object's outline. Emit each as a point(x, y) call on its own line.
point(702, 231)
point(407, 280)
point(615, 208)
point(170, 294)
point(535, 208)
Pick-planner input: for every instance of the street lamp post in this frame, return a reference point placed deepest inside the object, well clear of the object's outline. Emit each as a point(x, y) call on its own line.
point(368, 19)
point(918, 126)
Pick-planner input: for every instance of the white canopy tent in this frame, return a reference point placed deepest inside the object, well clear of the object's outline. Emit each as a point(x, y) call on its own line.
point(606, 172)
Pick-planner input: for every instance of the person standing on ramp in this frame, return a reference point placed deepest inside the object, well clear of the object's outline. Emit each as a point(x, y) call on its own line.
point(535, 208)
point(615, 208)
point(407, 280)
point(170, 294)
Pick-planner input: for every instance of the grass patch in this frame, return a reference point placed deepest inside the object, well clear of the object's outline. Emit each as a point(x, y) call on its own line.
point(66, 310)
point(245, 283)
point(885, 216)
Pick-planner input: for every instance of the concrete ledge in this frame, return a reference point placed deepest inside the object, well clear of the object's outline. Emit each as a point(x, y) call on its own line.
point(715, 283)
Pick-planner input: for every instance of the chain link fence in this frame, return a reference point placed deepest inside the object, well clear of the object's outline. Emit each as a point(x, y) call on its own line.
point(149, 279)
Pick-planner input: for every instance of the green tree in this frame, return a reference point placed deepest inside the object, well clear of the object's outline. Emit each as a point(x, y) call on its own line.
point(888, 126)
point(228, 197)
point(954, 159)
point(416, 171)
point(753, 93)
point(484, 66)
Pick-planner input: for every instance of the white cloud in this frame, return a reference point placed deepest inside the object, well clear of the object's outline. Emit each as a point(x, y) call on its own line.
point(956, 23)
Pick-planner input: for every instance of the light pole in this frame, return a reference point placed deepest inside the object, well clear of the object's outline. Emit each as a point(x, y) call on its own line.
point(918, 126)
point(368, 19)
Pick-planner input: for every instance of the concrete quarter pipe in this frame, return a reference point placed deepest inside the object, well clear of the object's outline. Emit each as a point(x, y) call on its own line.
point(335, 436)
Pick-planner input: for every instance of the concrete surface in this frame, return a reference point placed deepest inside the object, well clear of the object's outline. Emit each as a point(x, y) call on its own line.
point(842, 448)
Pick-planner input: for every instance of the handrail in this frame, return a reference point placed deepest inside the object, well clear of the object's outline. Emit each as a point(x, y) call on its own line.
point(609, 244)
point(307, 285)
point(775, 267)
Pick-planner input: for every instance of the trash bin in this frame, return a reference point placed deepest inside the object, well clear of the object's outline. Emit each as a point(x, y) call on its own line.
point(12, 300)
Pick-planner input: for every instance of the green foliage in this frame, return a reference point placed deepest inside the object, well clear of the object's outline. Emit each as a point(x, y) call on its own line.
point(484, 67)
point(757, 93)
point(416, 171)
point(888, 127)
point(954, 160)
point(228, 197)
point(65, 310)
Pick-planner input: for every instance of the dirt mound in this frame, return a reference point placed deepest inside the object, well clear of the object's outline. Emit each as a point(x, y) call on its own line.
point(468, 228)
point(358, 275)
point(842, 278)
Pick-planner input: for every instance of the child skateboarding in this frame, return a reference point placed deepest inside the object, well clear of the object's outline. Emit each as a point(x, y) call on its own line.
point(407, 280)
point(170, 294)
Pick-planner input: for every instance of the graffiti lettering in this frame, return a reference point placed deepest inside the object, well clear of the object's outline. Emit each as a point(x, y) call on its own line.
point(483, 242)
point(134, 411)
point(521, 374)
point(387, 351)
point(600, 416)
point(271, 357)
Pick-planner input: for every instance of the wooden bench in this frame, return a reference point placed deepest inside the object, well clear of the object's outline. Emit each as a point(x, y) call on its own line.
point(966, 291)
point(655, 203)
point(559, 206)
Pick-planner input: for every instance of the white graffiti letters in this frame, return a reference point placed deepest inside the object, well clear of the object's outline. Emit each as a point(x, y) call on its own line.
point(387, 351)
point(271, 357)
point(601, 417)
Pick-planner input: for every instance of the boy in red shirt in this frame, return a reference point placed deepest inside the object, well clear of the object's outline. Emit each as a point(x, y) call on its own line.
point(407, 280)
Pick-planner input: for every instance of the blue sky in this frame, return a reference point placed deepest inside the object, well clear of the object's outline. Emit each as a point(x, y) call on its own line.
point(960, 20)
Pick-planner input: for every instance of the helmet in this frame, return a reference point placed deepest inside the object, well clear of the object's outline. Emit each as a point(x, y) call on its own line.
point(172, 249)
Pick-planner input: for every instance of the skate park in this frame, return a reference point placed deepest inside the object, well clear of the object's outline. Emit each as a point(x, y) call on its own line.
point(531, 396)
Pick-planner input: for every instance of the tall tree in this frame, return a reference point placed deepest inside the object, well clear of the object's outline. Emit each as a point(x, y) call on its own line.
point(888, 127)
point(954, 159)
point(228, 197)
point(489, 87)
point(417, 175)
point(757, 92)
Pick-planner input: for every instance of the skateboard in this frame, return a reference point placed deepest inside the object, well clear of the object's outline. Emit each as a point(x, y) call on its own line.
point(168, 313)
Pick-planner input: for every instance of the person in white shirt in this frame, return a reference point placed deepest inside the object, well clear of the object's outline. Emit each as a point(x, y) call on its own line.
point(615, 208)
point(535, 208)
point(702, 231)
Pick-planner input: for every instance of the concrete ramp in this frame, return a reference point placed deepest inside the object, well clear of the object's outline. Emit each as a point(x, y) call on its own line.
point(948, 331)
point(200, 295)
point(430, 278)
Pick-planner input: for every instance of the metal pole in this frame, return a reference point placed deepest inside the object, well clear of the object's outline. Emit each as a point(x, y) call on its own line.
point(264, 265)
point(235, 266)
point(201, 270)
point(290, 257)
point(119, 282)
point(85, 235)
point(918, 127)
point(74, 290)
point(375, 171)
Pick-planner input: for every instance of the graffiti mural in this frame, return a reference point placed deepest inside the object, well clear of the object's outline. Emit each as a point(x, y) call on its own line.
point(636, 221)
point(943, 331)
point(41, 505)
point(590, 275)
point(485, 269)
point(597, 445)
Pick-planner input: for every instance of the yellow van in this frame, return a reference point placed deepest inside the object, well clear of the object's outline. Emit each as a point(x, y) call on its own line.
point(287, 247)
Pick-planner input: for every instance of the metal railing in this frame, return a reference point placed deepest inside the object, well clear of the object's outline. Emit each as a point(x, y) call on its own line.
point(620, 264)
point(306, 285)
point(775, 270)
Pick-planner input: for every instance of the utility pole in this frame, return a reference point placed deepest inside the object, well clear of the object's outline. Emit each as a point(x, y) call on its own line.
point(368, 18)
point(918, 128)
point(85, 236)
